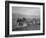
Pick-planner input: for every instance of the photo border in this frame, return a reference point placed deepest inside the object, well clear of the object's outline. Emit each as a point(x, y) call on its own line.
point(7, 18)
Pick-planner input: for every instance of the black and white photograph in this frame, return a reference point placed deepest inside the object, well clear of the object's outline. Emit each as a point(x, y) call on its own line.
point(25, 18)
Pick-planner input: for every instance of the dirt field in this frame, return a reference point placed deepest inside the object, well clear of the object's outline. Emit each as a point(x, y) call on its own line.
point(29, 27)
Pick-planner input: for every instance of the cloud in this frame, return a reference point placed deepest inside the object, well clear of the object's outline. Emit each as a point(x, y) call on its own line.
point(26, 10)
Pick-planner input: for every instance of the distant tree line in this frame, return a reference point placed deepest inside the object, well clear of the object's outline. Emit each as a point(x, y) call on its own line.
point(33, 21)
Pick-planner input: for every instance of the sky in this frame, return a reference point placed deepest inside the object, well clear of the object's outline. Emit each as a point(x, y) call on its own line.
point(26, 10)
